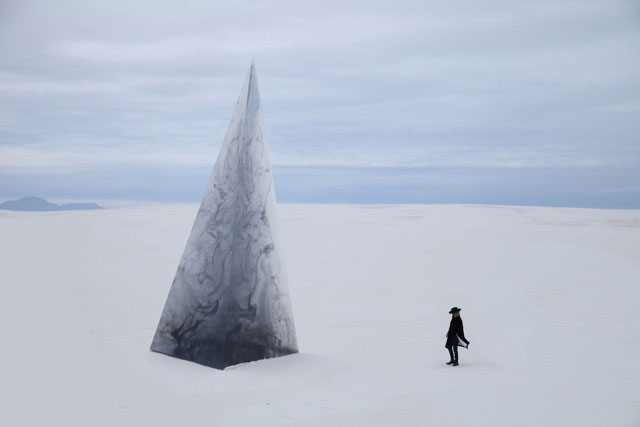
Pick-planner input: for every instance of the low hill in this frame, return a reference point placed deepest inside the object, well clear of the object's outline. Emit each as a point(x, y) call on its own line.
point(40, 204)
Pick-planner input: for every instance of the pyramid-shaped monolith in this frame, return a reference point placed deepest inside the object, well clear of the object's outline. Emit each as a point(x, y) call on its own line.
point(229, 301)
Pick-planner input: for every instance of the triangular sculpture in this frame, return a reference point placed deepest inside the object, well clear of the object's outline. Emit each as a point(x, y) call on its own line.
point(229, 301)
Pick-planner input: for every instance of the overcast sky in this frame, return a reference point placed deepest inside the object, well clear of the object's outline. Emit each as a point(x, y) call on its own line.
point(364, 101)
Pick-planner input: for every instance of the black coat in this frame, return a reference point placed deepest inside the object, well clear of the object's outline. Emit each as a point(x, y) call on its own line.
point(455, 336)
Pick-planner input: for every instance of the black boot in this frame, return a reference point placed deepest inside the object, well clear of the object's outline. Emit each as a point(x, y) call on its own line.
point(455, 363)
point(451, 356)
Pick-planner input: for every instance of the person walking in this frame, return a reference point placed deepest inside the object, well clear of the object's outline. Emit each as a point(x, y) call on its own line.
point(455, 336)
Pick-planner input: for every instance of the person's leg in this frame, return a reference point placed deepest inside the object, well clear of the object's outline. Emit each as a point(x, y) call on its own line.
point(451, 355)
point(455, 352)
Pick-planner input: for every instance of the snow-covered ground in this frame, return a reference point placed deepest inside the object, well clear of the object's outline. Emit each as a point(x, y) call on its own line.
point(550, 298)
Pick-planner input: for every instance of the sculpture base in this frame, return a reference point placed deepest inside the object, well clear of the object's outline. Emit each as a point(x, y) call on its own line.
point(220, 355)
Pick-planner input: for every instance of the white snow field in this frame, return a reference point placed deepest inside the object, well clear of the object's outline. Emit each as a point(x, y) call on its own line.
point(550, 300)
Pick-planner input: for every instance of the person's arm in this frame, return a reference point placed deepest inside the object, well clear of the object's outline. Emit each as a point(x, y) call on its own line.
point(461, 332)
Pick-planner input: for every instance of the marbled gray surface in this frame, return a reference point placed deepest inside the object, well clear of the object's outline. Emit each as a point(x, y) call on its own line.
point(229, 301)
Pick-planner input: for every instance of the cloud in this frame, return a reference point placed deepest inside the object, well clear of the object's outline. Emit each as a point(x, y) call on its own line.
point(93, 84)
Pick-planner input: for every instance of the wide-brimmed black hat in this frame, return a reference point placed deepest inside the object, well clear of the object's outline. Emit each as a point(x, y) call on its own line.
point(454, 310)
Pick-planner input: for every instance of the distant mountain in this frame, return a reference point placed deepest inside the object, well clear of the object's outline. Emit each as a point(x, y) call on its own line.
point(39, 204)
